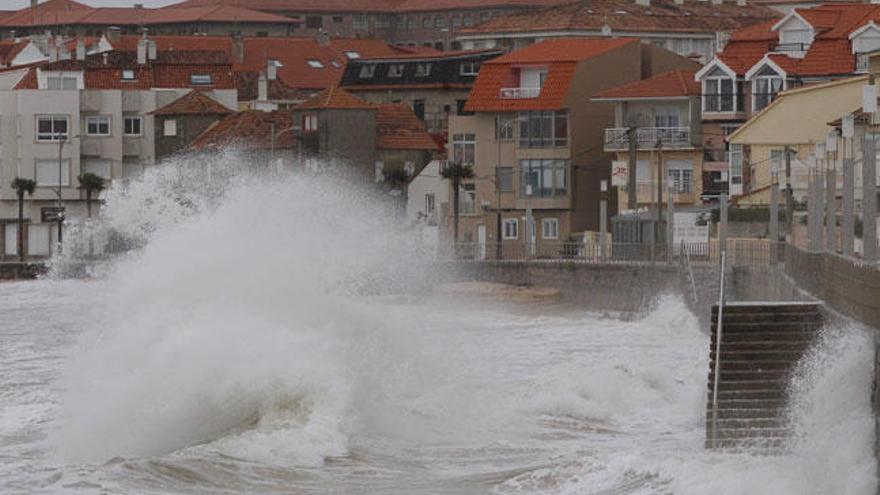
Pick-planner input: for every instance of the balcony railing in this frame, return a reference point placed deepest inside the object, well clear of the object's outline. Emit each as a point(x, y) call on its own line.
point(647, 138)
point(519, 93)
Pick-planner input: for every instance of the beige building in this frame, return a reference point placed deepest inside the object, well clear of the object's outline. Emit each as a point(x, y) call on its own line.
point(535, 141)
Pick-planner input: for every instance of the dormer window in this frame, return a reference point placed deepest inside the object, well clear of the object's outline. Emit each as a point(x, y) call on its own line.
point(200, 79)
point(795, 35)
point(721, 92)
point(469, 68)
point(395, 70)
point(127, 75)
point(367, 71)
point(423, 70)
point(315, 64)
point(865, 40)
point(766, 84)
point(352, 55)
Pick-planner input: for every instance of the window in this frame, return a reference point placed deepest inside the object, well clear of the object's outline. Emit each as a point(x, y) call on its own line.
point(61, 82)
point(543, 129)
point(352, 55)
point(463, 149)
point(429, 203)
point(395, 70)
point(469, 68)
point(367, 71)
point(98, 125)
point(133, 126)
point(314, 22)
point(262, 34)
point(315, 64)
point(360, 21)
point(765, 86)
point(101, 168)
point(456, 22)
point(419, 109)
point(49, 174)
point(439, 22)
point(777, 166)
point(335, 64)
point(504, 126)
point(504, 179)
point(310, 122)
point(736, 169)
point(426, 22)
point(337, 19)
point(411, 22)
point(511, 228)
point(485, 16)
point(666, 117)
point(127, 75)
point(170, 127)
point(467, 199)
point(467, 20)
point(51, 128)
point(459, 108)
point(681, 174)
point(423, 70)
point(200, 79)
point(546, 178)
point(550, 228)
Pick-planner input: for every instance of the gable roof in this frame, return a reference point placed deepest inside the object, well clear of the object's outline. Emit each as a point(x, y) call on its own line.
point(335, 98)
point(627, 17)
point(560, 56)
point(383, 6)
point(193, 103)
point(9, 49)
point(672, 84)
point(248, 130)
point(398, 128)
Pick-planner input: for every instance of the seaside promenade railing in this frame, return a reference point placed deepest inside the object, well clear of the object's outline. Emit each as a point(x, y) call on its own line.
point(740, 252)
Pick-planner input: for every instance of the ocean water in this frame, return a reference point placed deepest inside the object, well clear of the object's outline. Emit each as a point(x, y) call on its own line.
point(254, 342)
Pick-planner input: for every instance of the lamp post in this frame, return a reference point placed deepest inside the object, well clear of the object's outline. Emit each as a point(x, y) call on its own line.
point(498, 234)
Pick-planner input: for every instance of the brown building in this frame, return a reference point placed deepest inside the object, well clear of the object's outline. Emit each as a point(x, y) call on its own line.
point(179, 123)
point(434, 85)
point(535, 140)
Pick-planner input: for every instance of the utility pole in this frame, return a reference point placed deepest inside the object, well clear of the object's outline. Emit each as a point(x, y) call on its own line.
point(632, 136)
point(789, 197)
point(60, 217)
point(831, 194)
point(849, 184)
point(661, 181)
point(603, 218)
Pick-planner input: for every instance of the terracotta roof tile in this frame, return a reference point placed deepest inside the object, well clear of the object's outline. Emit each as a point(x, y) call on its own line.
point(335, 98)
point(627, 16)
point(562, 50)
point(398, 128)
point(193, 103)
point(248, 130)
point(9, 49)
point(672, 84)
point(374, 5)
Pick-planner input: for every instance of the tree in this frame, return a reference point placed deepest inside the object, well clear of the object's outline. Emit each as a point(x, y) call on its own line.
point(21, 187)
point(92, 184)
point(456, 172)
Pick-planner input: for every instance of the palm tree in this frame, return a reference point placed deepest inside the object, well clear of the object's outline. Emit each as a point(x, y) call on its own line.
point(91, 184)
point(456, 172)
point(22, 186)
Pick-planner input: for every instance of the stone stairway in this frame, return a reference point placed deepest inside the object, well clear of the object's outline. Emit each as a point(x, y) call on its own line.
point(761, 344)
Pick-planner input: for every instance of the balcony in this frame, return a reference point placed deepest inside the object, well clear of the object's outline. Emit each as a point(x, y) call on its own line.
point(519, 93)
point(647, 138)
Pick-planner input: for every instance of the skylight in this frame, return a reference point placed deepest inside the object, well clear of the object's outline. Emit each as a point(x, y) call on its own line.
point(315, 64)
point(352, 55)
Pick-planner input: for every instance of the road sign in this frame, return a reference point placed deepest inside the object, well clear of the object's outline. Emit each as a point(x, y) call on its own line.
point(49, 214)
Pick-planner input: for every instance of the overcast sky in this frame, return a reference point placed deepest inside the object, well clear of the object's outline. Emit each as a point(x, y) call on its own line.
point(17, 4)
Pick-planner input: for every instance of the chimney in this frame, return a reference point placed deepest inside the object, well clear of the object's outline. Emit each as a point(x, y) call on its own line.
point(238, 48)
point(80, 49)
point(323, 38)
point(643, 3)
point(262, 88)
point(34, 3)
point(271, 71)
point(113, 33)
point(53, 52)
point(151, 49)
point(138, 5)
point(142, 51)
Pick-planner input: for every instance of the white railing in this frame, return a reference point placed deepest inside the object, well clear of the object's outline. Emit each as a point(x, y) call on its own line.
point(647, 138)
point(519, 93)
point(718, 335)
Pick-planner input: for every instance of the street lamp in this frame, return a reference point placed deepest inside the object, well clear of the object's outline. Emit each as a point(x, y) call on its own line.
point(61, 137)
point(509, 124)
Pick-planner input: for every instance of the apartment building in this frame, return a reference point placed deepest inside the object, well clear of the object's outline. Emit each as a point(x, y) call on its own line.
point(90, 114)
point(72, 18)
point(403, 22)
point(434, 85)
point(660, 118)
point(807, 46)
point(535, 139)
point(691, 28)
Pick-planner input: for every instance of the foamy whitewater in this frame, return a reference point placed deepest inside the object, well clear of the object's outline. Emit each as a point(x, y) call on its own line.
point(257, 335)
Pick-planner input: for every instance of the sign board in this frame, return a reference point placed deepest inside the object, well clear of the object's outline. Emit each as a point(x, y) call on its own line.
point(619, 173)
point(685, 228)
point(49, 214)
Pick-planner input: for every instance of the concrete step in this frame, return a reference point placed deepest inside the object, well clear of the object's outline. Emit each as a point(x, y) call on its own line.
point(743, 413)
point(761, 446)
point(756, 328)
point(749, 375)
point(753, 432)
point(794, 337)
point(763, 345)
point(740, 423)
point(750, 385)
point(728, 403)
point(757, 356)
point(746, 365)
point(758, 307)
point(750, 394)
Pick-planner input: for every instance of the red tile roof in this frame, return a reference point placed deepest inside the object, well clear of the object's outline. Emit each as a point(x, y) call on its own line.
point(398, 128)
point(335, 98)
point(248, 130)
point(193, 103)
point(9, 49)
point(561, 56)
point(830, 53)
point(672, 84)
point(247, 84)
point(434, 55)
point(386, 6)
point(627, 16)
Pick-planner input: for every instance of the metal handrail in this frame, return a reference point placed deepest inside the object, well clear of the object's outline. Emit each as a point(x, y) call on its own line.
point(690, 270)
point(718, 335)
